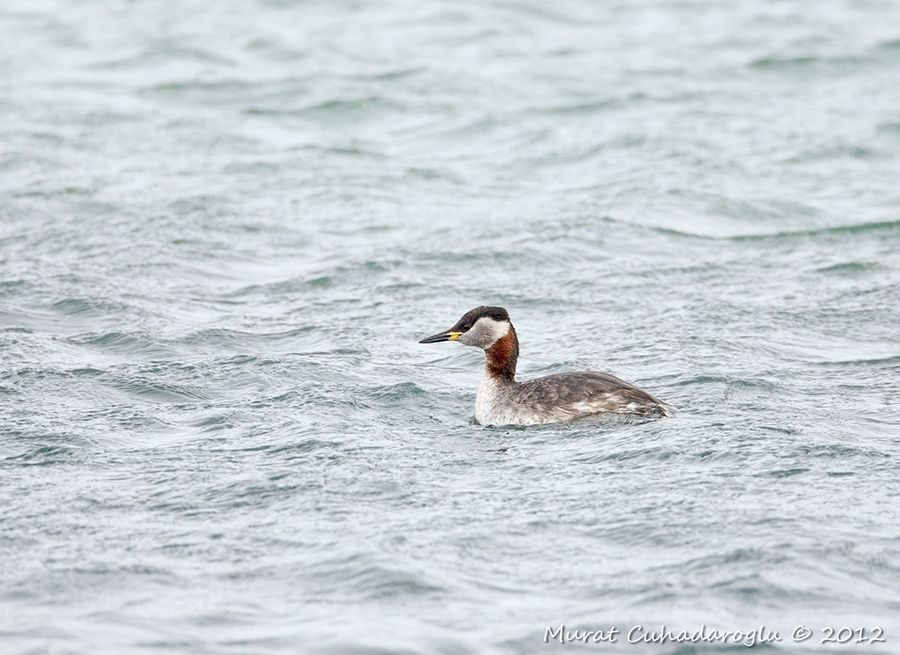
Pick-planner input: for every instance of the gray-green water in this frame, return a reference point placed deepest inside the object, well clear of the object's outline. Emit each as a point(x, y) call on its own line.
point(224, 226)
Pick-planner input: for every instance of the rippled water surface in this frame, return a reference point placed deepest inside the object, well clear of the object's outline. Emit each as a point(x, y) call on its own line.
point(223, 227)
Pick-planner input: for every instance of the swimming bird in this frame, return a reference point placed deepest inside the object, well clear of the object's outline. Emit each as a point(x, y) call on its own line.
point(561, 397)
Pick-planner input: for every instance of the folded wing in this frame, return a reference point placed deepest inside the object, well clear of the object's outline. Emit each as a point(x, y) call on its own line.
point(581, 394)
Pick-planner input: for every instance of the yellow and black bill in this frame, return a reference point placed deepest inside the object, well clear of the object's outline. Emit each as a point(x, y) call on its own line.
point(442, 336)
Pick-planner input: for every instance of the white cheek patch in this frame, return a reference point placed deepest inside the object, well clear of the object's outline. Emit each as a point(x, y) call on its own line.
point(494, 330)
point(485, 332)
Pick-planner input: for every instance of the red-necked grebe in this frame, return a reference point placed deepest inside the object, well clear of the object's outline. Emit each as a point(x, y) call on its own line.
point(562, 397)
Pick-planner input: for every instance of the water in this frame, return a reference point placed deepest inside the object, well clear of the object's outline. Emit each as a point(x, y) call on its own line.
point(225, 225)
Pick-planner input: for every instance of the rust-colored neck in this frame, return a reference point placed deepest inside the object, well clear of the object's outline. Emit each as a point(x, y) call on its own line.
point(500, 359)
